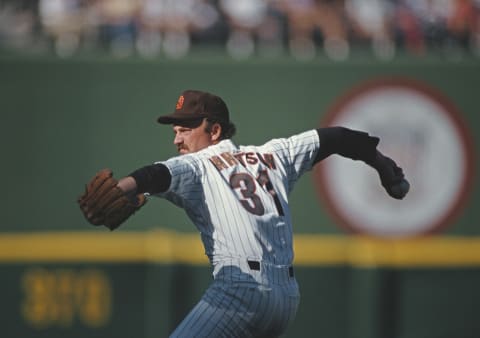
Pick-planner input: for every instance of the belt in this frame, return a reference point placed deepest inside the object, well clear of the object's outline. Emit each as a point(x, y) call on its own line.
point(255, 265)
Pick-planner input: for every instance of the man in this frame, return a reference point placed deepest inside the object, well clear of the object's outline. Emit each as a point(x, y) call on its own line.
point(237, 197)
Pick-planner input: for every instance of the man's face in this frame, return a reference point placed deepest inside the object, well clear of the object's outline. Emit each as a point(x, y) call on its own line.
point(191, 137)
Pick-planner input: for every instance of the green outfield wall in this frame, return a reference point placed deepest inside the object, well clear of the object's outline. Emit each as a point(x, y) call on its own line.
point(63, 120)
point(141, 284)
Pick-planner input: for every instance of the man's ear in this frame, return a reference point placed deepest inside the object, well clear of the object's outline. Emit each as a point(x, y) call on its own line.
point(216, 132)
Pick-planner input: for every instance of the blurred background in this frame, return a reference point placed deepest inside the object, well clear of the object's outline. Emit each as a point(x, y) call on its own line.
point(303, 29)
point(81, 86)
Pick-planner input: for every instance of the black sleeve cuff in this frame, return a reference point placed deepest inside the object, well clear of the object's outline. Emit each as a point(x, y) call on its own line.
point(353, 144)
point(153, 179)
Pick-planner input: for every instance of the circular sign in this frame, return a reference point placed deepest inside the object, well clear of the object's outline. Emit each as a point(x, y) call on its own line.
point(422, 131)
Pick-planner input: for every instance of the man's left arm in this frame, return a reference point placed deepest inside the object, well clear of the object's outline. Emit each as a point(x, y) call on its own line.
point(109, 202)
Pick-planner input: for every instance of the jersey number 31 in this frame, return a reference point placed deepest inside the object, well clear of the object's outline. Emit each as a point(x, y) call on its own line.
point(251, 201)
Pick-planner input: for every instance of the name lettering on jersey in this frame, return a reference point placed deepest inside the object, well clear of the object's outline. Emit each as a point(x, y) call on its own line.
point(226, 160)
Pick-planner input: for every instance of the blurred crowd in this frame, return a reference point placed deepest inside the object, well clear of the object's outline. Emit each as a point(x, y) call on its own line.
point(301, 28)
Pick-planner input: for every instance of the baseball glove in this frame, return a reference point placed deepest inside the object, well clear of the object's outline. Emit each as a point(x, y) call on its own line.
point(103, 203)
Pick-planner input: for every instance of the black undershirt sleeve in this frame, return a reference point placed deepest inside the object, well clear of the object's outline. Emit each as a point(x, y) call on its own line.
point(353, 144)
point(153, 179)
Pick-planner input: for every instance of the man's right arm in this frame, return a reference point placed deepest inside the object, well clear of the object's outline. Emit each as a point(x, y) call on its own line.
point(353, 144)
point(359, 145)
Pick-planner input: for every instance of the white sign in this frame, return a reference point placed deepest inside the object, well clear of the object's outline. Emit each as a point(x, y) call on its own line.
point(424, 134)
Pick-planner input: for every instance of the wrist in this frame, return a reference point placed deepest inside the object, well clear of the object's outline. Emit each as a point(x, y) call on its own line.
point(128, 185)
point(374, 160)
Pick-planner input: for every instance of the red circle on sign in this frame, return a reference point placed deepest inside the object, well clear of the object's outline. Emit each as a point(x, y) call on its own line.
point(322, 180)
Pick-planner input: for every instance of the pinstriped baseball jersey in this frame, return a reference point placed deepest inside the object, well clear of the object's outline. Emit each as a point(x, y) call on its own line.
point(238, 199)
point(237, 196)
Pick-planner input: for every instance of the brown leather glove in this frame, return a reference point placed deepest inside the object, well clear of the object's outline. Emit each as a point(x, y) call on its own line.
point(103, 203)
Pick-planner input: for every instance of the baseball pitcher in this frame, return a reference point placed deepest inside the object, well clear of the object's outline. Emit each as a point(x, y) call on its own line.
point(237, 197)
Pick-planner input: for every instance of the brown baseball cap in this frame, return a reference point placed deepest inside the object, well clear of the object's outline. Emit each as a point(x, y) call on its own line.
point(194, 105)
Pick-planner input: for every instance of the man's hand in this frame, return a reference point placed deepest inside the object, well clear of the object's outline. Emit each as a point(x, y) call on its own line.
point(391, 176)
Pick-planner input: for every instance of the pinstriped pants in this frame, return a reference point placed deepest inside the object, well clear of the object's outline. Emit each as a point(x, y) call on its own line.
point(242, 308)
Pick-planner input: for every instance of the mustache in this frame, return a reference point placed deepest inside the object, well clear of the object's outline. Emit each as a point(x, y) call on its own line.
point(182, 147)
